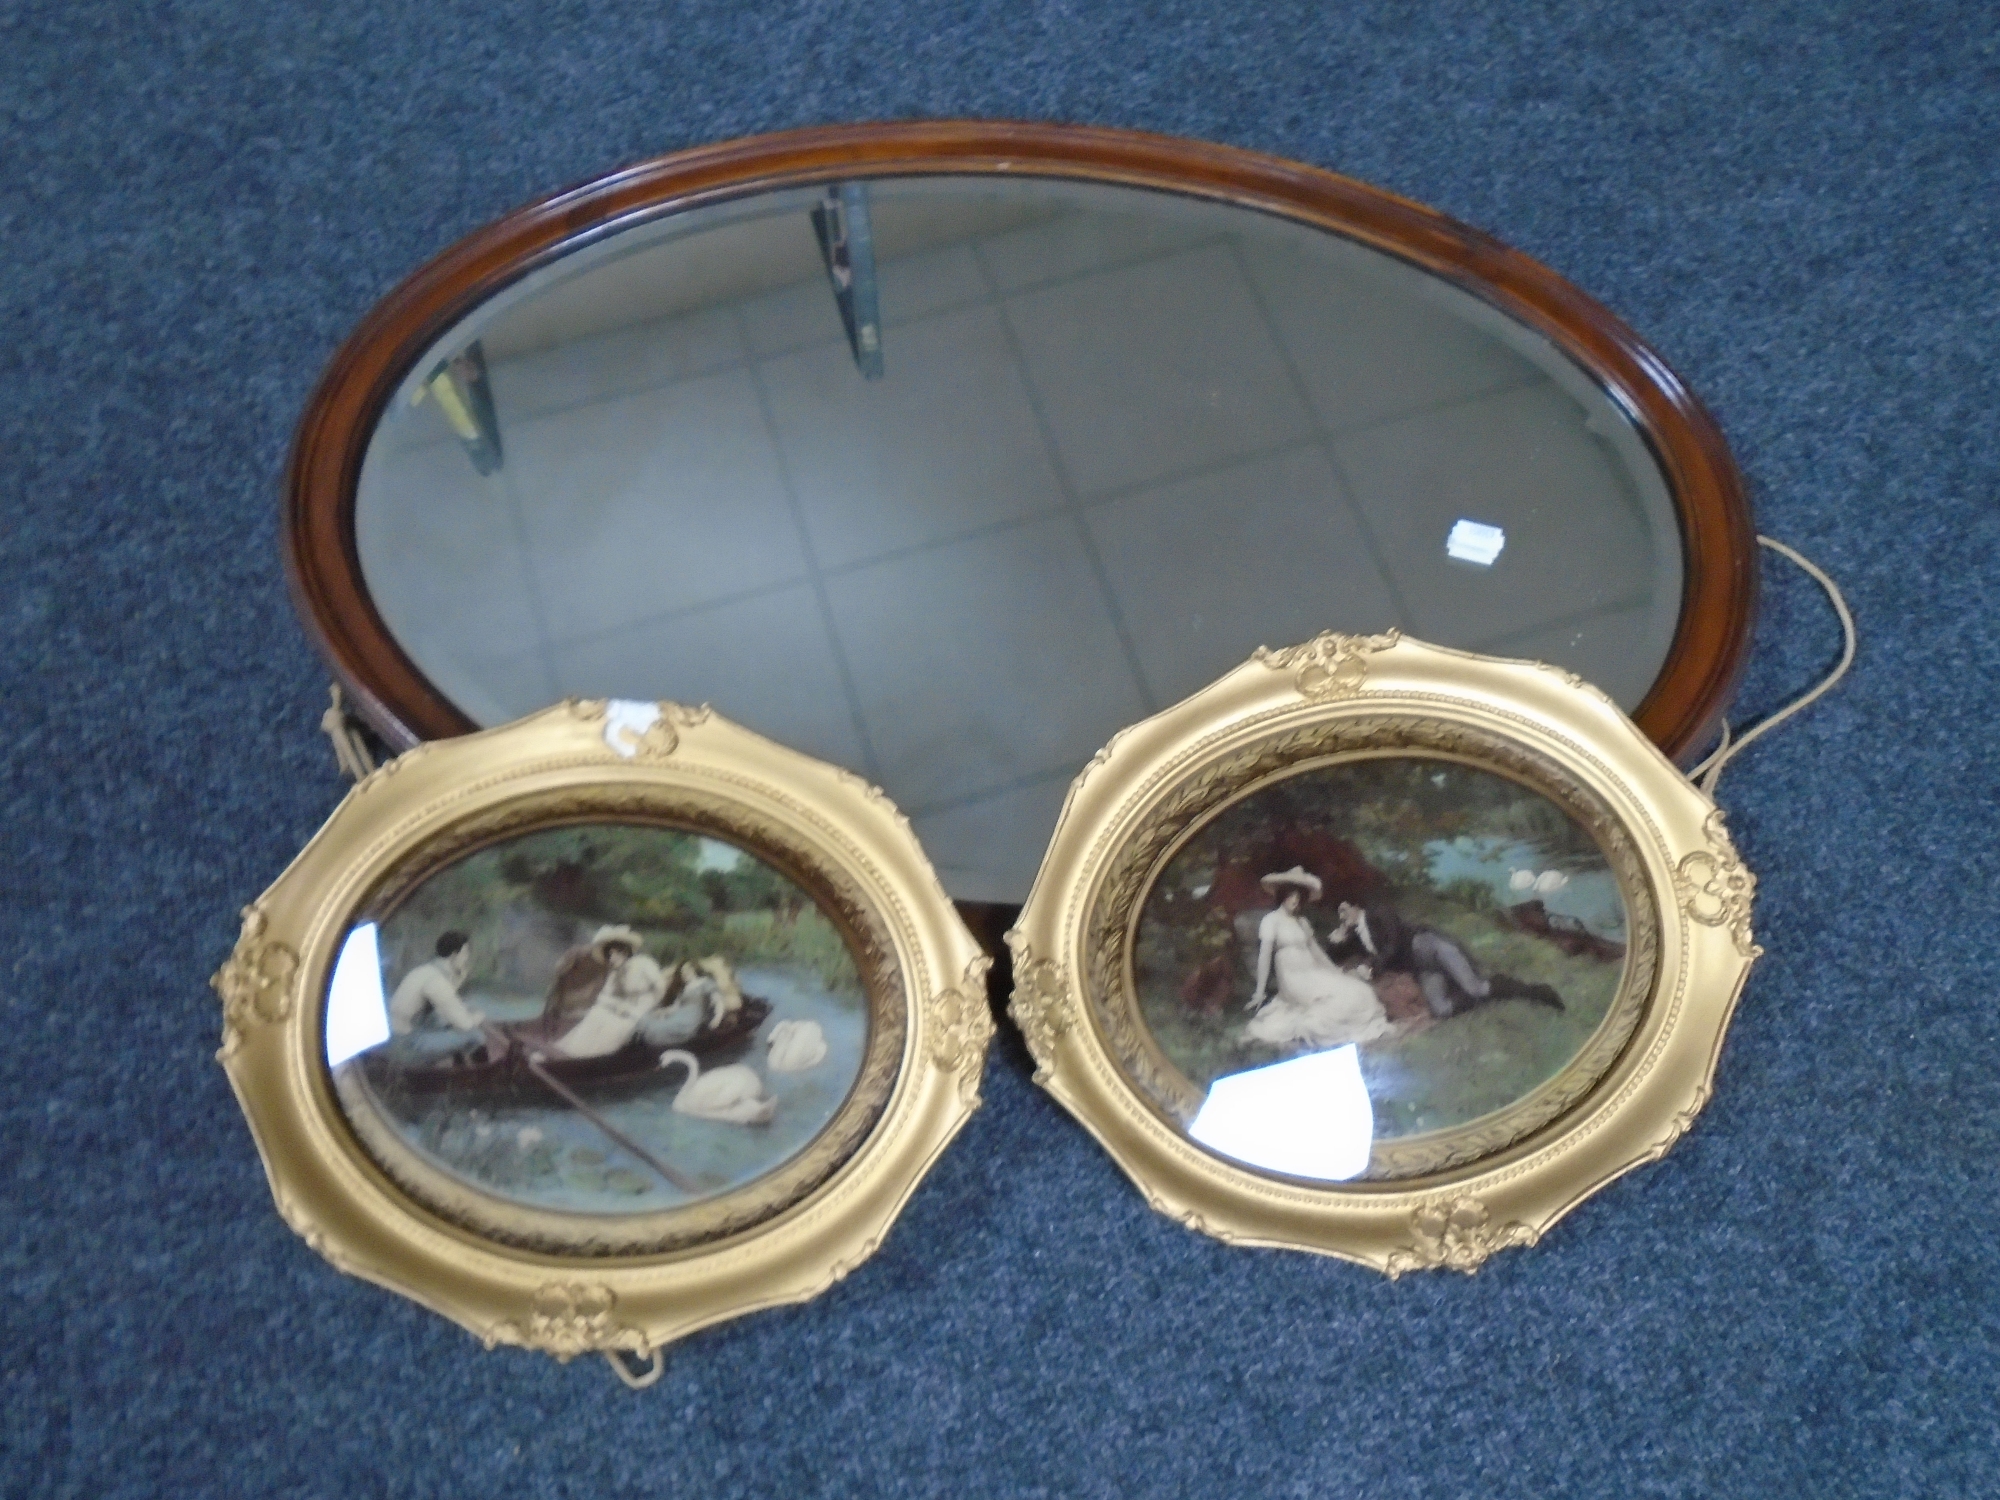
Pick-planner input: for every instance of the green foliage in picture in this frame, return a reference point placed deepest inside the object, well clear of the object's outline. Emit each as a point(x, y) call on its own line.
point(686, 895)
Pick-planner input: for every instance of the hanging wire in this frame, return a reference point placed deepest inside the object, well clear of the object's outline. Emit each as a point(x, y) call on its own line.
point(1727, 749)
point(644, 1376)
point(350, 750)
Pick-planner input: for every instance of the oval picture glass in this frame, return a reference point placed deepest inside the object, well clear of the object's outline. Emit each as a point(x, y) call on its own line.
point(944, 452)
point(600, 1020)
point(1384, 966)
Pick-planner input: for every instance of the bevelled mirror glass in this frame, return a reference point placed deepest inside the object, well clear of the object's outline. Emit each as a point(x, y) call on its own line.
point(945, 468)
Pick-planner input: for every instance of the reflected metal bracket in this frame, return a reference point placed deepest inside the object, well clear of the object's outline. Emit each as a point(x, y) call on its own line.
point(466, 401)
point(847, 245)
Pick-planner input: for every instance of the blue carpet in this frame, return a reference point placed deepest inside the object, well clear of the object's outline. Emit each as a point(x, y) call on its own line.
point(1796, 204)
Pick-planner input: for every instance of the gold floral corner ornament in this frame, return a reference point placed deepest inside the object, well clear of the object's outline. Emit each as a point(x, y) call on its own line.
point(1330, 666)
point(568, 1318)
point(1714, 887)
point(255, 984)
point(963, 1028)
point(1455, 1234)
point(1040, 1005)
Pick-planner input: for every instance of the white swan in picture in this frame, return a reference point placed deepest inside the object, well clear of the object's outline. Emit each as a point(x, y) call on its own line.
point(733, 1094)
point(796, 1046)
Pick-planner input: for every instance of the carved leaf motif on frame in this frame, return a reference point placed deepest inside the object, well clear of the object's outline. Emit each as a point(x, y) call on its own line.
point(1682, 1123)
point(962, 1028)
point(1715, 888)
point(1040, 1006)
point(1455, 1234)
point(1330, 666)
point(255, 984)
point(571, 1318)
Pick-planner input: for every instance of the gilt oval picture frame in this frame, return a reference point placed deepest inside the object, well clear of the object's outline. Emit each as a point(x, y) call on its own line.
point(1383, 951)
point(604, 1026)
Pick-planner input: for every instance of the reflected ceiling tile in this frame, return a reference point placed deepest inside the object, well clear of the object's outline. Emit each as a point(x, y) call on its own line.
point(1154, 369)
point(1524, 462)
point(983, 662)
point(406, 426)
point(658, 501)
point(657, 270)
point(989, 849)
point(1371, 340)
point(1613, 648)
point(493, 689)
point(1264, 553)
point(608, 365)
point(917, 286)
point(724, 655)
point(1078, 242)
point(446, 572)
point(943, 444)
point(805, 314)
point(792, 317)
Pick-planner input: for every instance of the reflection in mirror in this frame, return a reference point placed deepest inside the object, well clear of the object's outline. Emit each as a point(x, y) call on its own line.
point(946, 480)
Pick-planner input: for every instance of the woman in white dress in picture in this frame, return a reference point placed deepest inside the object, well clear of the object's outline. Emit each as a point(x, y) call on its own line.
point(1318, 1003)
point(632, 991)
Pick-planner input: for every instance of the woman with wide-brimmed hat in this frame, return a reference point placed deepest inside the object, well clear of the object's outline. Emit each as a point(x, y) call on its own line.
point(580, 976)
point(1318, 1003)
point(633, 988)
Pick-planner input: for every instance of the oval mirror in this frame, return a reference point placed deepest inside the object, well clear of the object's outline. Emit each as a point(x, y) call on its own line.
point(943, 451)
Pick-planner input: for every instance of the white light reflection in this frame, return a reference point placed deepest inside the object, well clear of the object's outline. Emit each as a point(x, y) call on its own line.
point(357, 1012)
point(1475, 542)
point(626, 722)
point(1308, 1117)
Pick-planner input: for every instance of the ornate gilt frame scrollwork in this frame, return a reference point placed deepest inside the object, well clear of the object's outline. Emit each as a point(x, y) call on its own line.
point(621, 1287)
point(1451, 1198)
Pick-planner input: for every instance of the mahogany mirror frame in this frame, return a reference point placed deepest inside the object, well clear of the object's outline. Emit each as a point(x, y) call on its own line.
point(1681, 711)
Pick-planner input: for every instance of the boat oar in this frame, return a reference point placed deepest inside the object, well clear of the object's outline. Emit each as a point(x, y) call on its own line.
point(679, 1179)
point(568, 1095)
